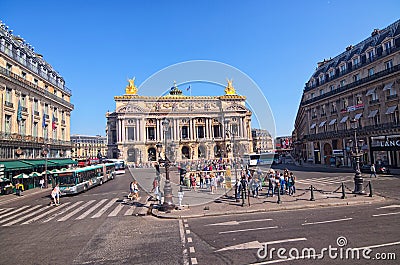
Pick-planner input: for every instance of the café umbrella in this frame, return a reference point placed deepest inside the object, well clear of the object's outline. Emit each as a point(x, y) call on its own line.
point(35, 174)
point(21, 176)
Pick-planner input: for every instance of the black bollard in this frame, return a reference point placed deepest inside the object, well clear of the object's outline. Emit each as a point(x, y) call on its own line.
point(279, 197)
point(312, 193)
point(236, 187)
point(370, 188)
point(248, 198)
point(343, 193)
point(243, 191)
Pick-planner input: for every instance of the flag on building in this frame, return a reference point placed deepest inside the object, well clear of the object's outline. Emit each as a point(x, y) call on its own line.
point(53, 123)
point(44, 120)
point(19, 111)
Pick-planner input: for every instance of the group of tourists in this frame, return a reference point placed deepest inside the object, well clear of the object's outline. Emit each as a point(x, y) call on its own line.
point(275, 181)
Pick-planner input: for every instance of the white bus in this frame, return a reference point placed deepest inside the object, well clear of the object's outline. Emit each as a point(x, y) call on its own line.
point(76, 180)
point(119, 165)
point(262, 159)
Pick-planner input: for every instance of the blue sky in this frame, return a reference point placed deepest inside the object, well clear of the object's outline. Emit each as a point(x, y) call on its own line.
point(97, 45)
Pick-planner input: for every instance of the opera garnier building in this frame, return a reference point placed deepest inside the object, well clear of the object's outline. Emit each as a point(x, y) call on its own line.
point(191, 127)
point(351, 103)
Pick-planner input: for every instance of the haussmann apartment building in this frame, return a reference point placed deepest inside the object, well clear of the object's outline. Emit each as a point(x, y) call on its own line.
point(353, 94)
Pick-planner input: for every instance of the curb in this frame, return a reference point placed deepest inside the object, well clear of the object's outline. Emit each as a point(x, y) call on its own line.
point(13, 197)
point(155, 212)
point(145, 209)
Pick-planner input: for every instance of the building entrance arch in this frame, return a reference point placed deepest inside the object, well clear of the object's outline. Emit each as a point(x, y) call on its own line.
point(201, 150)
point(327, 153)
point(151, 154)
point(132, 155)
point(185, 152)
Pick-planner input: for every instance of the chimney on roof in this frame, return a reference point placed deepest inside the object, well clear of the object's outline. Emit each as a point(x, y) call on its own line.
point(348, 48)
point(375, 32)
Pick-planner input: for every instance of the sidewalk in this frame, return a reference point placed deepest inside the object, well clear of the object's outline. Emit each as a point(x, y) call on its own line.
point(27, 193)
point(226, 205)
point(202, 203)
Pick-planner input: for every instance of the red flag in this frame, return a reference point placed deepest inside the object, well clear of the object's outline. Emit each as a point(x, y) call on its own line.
point(53, 123)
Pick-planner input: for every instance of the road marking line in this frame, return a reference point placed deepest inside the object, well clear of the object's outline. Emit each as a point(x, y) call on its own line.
point(191, 250)
point(26, 216)
point(15, 211)
point(5, 210)
point(66, 217)
point(389, 206)
point(20, 213)
point(257, 244)
point(130, 210)
point(321, 256)
point(330, 221)
point(104, 209)
point(116, 210)
point(383, 214)
point(62, 211)
point(193, 261)
point(239, 222)
point(94, 207)
point(23, 217)
point(189, 240)
point(184, 251)
point(46, 213)
point(250, 229)
point(381, 245)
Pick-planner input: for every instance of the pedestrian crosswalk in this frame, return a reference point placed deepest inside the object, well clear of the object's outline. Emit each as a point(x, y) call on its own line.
point(78, 210)
point(324, 181)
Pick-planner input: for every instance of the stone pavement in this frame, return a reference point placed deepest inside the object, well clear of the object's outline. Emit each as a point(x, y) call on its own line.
point(227, 205)
point(202, 203)
point(27, 193)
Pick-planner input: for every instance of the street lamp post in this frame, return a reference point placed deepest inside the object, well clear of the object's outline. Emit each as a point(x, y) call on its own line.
point(45, 151)
point(168, 202)
point(358, 180)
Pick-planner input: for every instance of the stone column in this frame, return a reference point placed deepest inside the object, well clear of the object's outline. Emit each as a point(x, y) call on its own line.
point(123, 130)
point(157, 130)
point(138, 130)
point(240, 127)
point(118, 130)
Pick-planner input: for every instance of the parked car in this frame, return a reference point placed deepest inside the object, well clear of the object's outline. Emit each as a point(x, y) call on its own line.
point(380, 169)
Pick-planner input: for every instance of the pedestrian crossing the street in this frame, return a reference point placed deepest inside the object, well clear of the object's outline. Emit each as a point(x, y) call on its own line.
point(79, 210)
point(324, 181)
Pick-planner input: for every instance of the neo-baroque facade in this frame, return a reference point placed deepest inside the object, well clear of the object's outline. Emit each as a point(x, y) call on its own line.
point(192, 127)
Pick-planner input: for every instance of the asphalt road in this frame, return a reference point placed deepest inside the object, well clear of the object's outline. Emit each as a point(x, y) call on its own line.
point(33, 233)
point(238, 239)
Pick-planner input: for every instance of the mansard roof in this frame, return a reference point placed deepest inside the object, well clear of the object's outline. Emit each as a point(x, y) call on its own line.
point(376, 38)
point(19, 43)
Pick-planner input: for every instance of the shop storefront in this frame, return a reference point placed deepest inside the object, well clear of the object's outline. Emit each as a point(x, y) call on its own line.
point(386, 150)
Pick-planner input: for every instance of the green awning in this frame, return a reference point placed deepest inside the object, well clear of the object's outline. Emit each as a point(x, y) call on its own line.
point(39, 163)
point(63, 162)
point(15, 165)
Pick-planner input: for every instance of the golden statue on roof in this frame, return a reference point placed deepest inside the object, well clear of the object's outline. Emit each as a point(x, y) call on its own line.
point(230, 90)
point(131, 89)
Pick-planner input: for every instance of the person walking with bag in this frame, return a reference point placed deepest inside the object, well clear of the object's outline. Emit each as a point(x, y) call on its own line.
point(373, 170)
